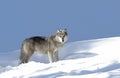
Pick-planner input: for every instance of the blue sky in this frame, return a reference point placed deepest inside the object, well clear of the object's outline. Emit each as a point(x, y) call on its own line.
point(84, 19)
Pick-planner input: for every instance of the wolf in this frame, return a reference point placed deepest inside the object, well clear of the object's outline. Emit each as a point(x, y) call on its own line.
point(47, 45)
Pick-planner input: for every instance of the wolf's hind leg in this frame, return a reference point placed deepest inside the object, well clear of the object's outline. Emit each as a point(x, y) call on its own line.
point(24, 57)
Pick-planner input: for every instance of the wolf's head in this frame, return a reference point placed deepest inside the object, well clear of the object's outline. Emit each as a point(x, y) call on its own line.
point(62, 36)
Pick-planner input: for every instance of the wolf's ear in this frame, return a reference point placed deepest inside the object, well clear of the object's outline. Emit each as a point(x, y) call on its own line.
point(58, 30)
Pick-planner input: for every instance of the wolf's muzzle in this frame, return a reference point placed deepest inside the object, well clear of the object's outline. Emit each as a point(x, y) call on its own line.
point(63, 39)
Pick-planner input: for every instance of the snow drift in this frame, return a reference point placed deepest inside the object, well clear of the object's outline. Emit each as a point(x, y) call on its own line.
point(99, 58)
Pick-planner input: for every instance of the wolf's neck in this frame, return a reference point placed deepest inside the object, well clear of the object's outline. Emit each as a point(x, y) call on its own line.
point(53, 38)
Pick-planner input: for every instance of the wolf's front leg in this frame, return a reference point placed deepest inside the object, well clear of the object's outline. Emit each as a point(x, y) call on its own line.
point(50, 56)
point(56, 55)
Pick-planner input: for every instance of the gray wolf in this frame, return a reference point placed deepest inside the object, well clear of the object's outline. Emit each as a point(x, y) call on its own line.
point(46, 45)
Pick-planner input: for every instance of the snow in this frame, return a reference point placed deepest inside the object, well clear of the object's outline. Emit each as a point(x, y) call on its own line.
point(98, 58)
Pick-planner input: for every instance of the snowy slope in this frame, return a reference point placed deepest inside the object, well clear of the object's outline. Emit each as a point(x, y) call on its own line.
point(99, 58)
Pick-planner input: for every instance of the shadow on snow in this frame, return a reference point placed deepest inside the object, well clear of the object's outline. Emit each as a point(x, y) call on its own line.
point(108, 68)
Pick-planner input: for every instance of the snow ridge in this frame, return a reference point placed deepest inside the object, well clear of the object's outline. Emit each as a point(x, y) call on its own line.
point(98, 58)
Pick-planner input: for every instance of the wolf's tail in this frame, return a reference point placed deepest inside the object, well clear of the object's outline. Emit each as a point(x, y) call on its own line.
point(26, 51)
